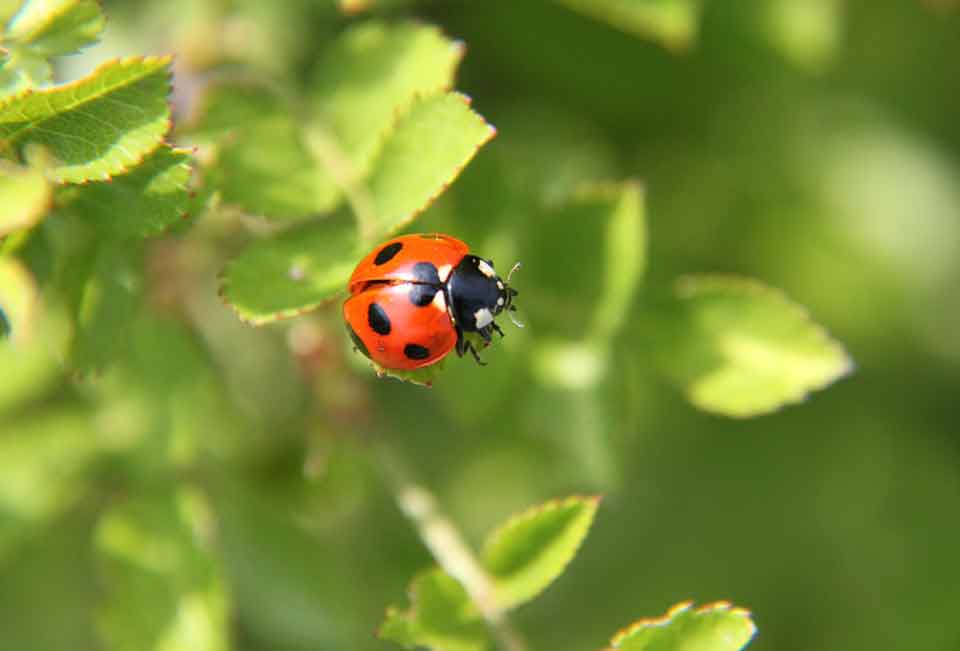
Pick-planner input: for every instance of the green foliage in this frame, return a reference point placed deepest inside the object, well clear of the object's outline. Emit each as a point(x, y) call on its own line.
point(740, 348)
point(171, 478)
point(714, 627)
point(521, 558)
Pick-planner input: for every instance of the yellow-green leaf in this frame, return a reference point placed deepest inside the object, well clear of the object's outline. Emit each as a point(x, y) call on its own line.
point(714, 627)
point(671, 22)
point(426, 150)
point(440, 616)
point(533, 548)
point(96, 127)
point(740, 348)
point(25, 196)
point(292, 273)
point(56, 27)
point(372, 73)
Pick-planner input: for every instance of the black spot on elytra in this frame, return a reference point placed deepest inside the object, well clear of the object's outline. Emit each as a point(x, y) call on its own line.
point(386, 253)
point(378, 319)
point(416, 351)
point(358, 342)
point(422, 295)
point(426, 272)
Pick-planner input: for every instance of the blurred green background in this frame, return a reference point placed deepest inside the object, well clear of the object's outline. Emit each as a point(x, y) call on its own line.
point(812, 144)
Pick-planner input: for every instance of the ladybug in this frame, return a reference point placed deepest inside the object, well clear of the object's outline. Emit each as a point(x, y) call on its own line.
point(413, 298)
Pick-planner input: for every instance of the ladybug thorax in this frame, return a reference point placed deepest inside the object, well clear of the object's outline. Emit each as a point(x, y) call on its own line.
point(475, 294)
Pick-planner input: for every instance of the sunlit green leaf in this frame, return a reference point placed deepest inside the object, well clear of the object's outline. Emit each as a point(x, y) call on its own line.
point(440, 616)
point(806, 32)
point(164, 589)
point(714, 627)
point(44, 457)
point(671, 22)
point(740, 348)
point(373, 72)
point(56, 27)
point(533, 548)
point(98, 126)
point(261, 162)
point(424, 152)
point(292, 273)
point(141, 202)
point(25, 196)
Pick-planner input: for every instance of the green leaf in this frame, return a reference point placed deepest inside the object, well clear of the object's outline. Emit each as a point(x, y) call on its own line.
point(671, 22)
point(18, 300)
point(441, 616)
point(714, 627)
point(261, 162)
point(164, 588)
point(292, 273)
point(806, 32)
point(428, 147)
point(373, 72)
point(96, 127)
point(25, 196)
point(108, 305)
point(141, 202)
point(740, 348)
point(56, 27)
point(533, 548)
point(44, 457)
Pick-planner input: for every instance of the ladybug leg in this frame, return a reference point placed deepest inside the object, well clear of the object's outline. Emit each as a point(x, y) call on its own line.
point(497, 328)
point(464, 346)
point(473, 351)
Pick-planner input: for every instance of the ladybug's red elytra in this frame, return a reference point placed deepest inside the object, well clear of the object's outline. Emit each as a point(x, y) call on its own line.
point(413, 298)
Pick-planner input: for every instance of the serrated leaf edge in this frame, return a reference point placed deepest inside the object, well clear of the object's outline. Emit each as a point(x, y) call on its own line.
point(165, 59)
point(257, 320)
point(536, 510)
point(673, 611)
point(389, 133)
point(684, 288)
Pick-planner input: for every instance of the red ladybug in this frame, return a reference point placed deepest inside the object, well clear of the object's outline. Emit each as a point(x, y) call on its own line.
point(413, 298)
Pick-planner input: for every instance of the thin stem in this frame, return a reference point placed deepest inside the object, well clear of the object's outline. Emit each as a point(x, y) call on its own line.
point(325, 150)
point(451, 552)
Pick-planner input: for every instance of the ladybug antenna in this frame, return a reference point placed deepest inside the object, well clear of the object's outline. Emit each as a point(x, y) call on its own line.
point(511, 292)
point(510, 275)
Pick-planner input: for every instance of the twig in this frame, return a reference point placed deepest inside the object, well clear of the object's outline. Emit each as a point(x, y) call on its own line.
point(450, 551)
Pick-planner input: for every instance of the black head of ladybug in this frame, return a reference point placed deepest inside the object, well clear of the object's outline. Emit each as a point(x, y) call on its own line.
point(475, 295)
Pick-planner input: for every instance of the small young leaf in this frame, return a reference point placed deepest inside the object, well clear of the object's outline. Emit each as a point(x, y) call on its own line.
point(56, 27)
point(96, 127)
point(25, 196)
point(141, 202)
point(292, 273)
point(427, 148)
point(440, 617)
point(671, 22)
point(714, 627)
point(374, 71)
point(741, 348)
point(532, 549)
point(262, 164)
point(164, 589)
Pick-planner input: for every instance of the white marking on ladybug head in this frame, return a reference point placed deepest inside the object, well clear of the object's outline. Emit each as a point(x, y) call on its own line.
point(443, 271)
point(483, 317)
point(484, 267)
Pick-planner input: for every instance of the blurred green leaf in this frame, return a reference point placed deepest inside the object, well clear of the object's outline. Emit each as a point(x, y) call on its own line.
point(292, 273)
point(806, 32)
point(671, 22)
point(740, 348)
point(424, 152)
point(25, 196)
point(141, 202)
point(261, 162)
point(165, 590)
point(56, 27)
point(45, 456)
point(440, 616)
point(109, 300)
point(529, 551)
point(96, 127)
point(373, 72)
point(714, 627)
